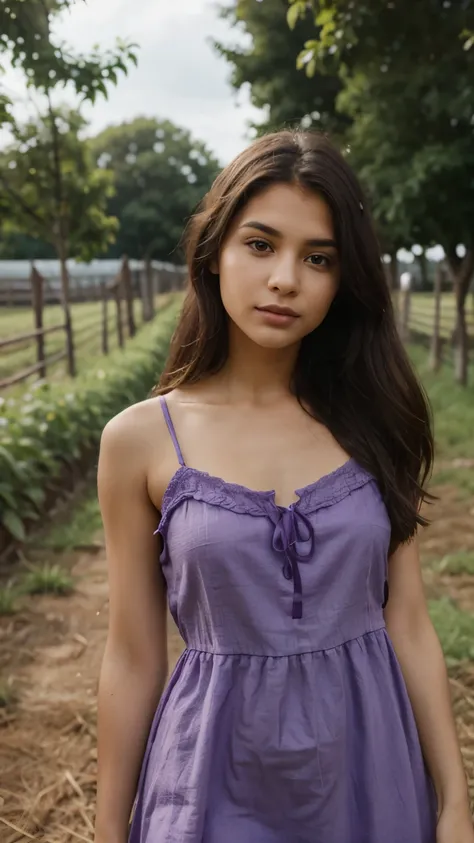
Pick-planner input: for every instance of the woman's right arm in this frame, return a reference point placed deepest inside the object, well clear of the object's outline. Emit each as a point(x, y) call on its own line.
point(135, 666)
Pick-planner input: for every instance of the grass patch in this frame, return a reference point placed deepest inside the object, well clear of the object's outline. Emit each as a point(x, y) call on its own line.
point(47, 579)
point(7, 600)
point(453, 408)
point(461, 562)
point(455, 629)
point(86, 316)
point(462, 478)
point(84, 522)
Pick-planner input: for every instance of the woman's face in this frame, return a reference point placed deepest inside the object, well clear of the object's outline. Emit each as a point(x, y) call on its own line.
point(278, 266)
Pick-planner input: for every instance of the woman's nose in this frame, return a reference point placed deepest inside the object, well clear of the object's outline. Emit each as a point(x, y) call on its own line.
point(284, 277)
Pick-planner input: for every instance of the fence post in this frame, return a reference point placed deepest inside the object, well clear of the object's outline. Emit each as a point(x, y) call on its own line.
point(405, 311)
point(149, 305)
point(142, 286)
point(128, 290)
point(118, 302)
point(435, 353)
point(37, 301)
point(105, 320)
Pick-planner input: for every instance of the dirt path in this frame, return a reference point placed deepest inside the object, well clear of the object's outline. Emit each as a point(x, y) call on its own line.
point(52, 651)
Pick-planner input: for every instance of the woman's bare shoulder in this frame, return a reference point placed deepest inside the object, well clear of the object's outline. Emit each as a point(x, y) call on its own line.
point(134, 431)
point(137, 449)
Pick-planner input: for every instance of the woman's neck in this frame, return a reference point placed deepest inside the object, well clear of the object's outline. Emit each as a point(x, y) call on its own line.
point(253, 374)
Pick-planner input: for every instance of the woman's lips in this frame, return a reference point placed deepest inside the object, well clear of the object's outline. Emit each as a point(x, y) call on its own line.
point(279, 317)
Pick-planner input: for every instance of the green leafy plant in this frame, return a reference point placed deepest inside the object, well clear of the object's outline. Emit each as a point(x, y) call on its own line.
point(59, 425)
point(47, 579)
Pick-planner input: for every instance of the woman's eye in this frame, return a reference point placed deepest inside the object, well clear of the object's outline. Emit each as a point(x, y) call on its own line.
point(258, 245)
point(319, 260)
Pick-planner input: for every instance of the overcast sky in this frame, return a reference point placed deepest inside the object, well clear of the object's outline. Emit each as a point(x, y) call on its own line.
point(179, 74)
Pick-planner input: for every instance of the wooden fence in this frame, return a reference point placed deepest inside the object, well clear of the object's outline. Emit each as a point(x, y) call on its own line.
point(119, 319)
point(429, 319)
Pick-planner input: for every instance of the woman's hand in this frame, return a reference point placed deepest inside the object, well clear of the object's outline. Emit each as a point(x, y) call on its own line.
point(455, 826)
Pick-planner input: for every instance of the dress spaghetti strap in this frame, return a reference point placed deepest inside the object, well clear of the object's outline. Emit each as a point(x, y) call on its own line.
point(170, 425)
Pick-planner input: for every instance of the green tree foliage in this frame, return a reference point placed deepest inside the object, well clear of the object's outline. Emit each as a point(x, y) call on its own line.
point(267, 62)
point(160, 175)
point(408, 86)
point(25, 39)
point(30, 187)
point(408, 76)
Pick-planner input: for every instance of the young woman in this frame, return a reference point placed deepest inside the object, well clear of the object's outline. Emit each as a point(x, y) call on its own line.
point(311, 704)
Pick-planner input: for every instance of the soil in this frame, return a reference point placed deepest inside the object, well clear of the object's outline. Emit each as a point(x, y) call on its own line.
point(50, 654)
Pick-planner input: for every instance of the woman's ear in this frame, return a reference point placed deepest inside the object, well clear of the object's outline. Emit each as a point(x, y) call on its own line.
point(214, 266)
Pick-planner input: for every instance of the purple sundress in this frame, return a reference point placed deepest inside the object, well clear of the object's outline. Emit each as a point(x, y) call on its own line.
point(286, 719)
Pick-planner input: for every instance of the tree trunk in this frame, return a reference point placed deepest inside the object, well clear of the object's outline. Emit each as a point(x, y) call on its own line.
point(71, 357)
point(423, 264)
point(461, 270)
point(461, 351)
point(61, 239)
point(435, 355)
point(36, 281)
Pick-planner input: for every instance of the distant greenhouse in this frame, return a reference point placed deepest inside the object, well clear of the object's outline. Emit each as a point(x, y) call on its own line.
point(86, 279)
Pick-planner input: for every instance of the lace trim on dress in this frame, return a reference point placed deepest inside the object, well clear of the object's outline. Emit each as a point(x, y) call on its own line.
point(198, 485)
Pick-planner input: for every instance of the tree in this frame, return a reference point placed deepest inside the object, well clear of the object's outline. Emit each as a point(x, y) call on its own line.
point(286, 96)
point(160, 175)
point(71, 218)
point(31, 191)
point(27, 40)
point(408, 74)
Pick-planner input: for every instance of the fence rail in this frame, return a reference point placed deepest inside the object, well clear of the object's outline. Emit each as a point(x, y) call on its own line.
point(127, 300)
point(431, 320)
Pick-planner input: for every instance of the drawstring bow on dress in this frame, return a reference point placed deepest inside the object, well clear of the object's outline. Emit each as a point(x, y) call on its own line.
point(294, 536)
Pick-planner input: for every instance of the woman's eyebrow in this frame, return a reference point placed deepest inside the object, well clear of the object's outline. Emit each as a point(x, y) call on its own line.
point(268, 229)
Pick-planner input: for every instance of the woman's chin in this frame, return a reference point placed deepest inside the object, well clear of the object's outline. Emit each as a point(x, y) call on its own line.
point(274, 339)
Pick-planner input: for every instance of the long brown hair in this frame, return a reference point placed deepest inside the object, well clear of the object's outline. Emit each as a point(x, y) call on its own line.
point(352, 372)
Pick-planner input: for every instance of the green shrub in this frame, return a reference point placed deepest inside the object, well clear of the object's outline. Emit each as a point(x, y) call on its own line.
point(47, 579)
point(8, 597)
point(54, 425)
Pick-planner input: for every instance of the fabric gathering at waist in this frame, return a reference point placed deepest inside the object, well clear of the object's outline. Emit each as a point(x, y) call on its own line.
point(276, 649)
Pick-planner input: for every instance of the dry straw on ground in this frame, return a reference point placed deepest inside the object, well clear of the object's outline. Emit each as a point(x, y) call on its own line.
point(50, 766)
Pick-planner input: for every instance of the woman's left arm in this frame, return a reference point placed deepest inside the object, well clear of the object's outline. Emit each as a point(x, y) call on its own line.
point(421, 659)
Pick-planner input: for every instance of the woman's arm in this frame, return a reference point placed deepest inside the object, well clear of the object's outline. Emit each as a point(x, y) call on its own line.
point(422, 662)
point(135, 665)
